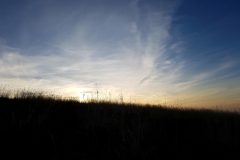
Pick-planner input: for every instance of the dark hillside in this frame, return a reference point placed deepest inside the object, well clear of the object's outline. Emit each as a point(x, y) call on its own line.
point(47, 128)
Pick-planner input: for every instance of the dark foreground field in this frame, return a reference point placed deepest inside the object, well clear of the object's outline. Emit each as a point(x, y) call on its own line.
point(38, 127)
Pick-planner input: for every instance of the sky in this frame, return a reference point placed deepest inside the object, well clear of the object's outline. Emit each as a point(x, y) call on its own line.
point(179, 52)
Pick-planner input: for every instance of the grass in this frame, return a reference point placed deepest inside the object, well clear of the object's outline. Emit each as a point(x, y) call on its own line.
point(38, 126)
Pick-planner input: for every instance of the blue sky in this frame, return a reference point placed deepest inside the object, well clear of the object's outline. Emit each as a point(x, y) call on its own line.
point(179, 52)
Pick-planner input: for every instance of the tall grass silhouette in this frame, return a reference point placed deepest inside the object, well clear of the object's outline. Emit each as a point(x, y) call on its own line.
point(35, 125)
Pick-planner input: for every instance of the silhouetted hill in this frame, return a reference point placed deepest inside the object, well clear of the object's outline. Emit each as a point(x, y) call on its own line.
point(44, 127)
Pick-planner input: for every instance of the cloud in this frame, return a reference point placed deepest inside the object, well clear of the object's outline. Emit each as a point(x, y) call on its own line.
point(128, 49)
point(123, 49)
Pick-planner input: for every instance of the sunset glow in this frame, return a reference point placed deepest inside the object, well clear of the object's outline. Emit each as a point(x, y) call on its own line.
point(148, 51)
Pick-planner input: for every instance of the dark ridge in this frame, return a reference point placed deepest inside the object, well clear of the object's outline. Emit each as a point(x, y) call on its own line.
point(35, 126)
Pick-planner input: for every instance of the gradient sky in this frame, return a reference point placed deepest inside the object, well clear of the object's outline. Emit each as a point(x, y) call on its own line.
point(179, 52)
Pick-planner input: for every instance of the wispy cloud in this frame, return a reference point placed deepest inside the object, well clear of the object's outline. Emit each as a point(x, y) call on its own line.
point(126, 49)
point(119, 51)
